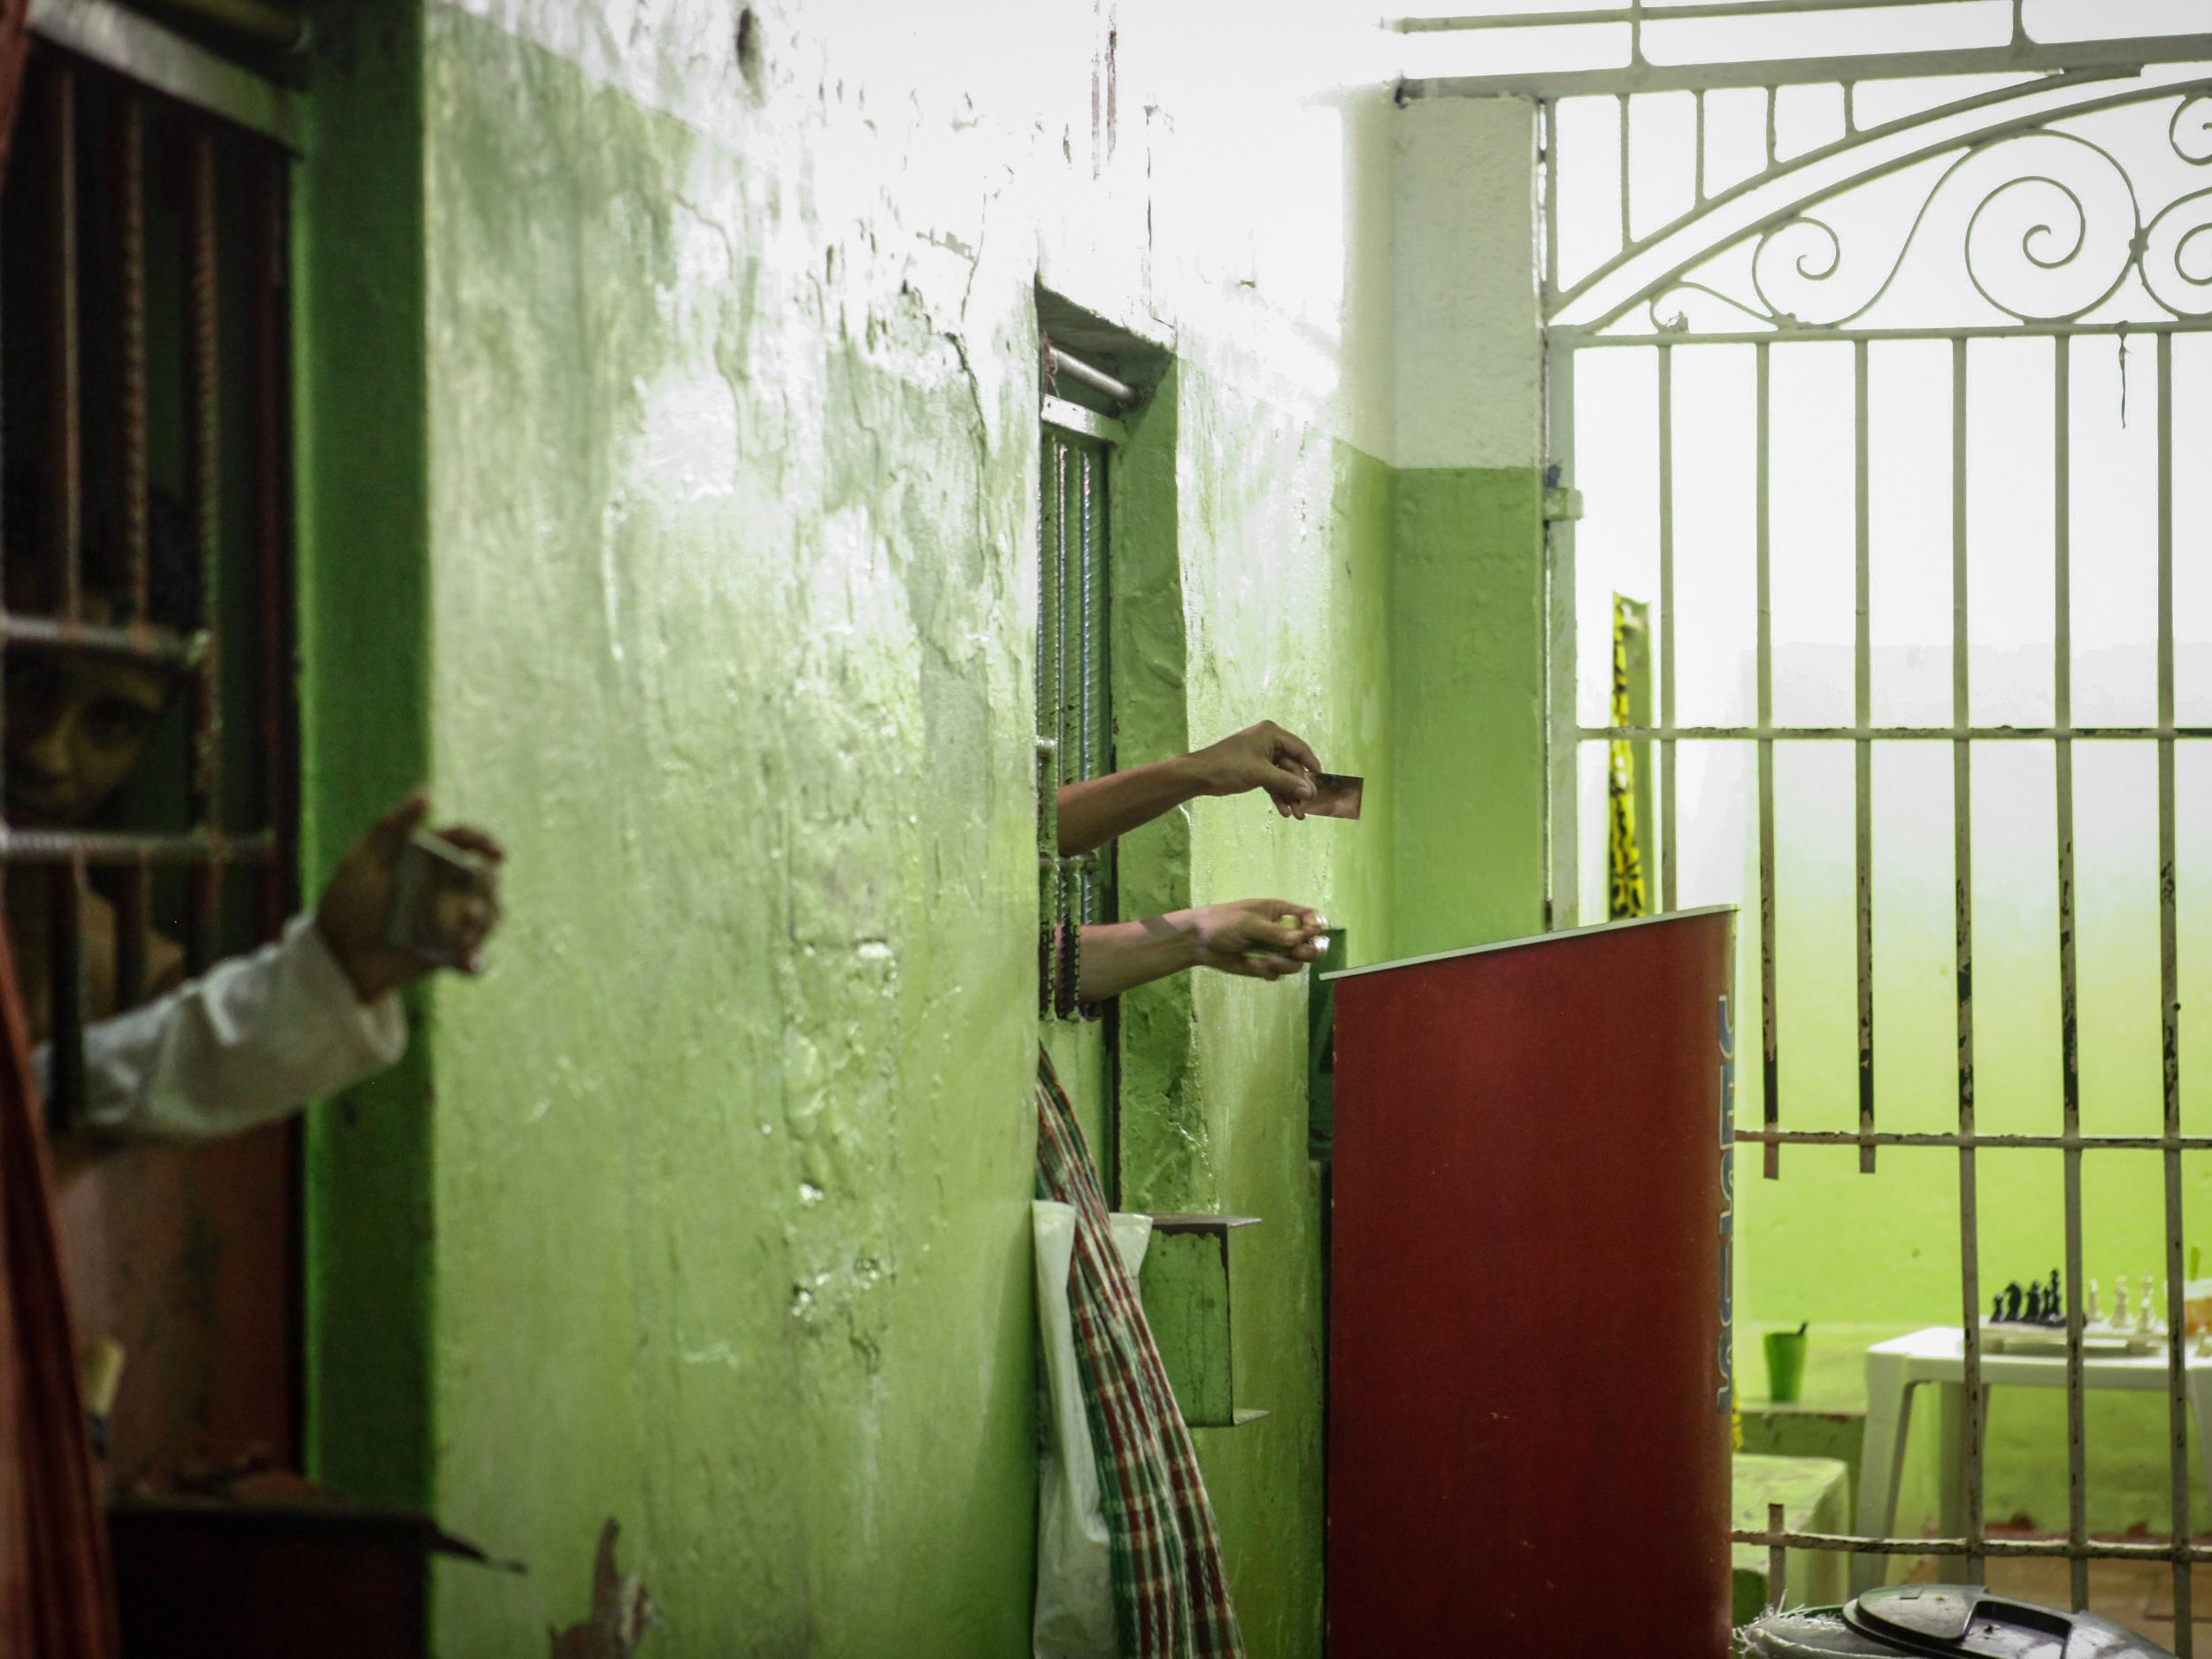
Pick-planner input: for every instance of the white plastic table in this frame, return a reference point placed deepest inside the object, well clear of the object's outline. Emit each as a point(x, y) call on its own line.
point(1937, 1354)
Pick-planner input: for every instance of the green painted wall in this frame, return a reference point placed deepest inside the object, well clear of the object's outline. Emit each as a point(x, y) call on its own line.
point(1468, 692)
point(363, 599)
point(734, 1148)
point(1255, 564)
point(669, 488)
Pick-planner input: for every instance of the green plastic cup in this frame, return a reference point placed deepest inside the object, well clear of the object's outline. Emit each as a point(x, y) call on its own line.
point(1785, 1365)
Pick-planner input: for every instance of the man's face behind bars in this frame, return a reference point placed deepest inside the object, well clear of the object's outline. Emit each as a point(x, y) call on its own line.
point(77, 723)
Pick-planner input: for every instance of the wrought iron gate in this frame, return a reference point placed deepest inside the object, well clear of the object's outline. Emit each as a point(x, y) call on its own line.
point(1948, 255)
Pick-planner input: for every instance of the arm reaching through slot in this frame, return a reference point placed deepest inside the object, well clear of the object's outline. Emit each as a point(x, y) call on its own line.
point(1261, 939)
point(1263, 756)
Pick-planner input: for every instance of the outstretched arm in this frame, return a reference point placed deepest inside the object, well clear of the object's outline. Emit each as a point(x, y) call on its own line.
point(1263, 756)
point(257, 1037)
point(1262, 939)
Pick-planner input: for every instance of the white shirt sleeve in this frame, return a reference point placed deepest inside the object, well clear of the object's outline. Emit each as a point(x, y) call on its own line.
point(254, 1039)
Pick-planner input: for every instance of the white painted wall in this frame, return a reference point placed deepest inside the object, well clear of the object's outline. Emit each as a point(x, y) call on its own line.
point(1242, 213)
point(1469, 387)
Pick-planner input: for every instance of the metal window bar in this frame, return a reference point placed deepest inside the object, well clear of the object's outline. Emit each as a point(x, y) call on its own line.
point(64, 396)
point(1863, 755)
point(1075, 734)
point(97, 133)
point(120, 35)
point(2169, 999)
point(1962, 887)
point(126, 165)
point(1667, 859)
point(2070, 1033)
point(1769, 1019)
point(1971, 1540)
point(1897, 733)
point(270, 424)
point(1118, 392)
point(1050, 922)
point(203, 484)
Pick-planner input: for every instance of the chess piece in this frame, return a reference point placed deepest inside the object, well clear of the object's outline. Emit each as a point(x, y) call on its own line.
point(2120, 1319)
point(2012, 1302)
point(2091, 1313)
point(2033, 1312)
point(2054, 1303)
point(2145, 1322)
point(1997, 1309)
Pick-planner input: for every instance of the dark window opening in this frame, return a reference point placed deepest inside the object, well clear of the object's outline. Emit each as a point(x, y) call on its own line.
point(150, 812)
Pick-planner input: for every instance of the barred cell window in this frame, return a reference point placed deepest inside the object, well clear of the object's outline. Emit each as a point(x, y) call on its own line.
point(1077, 441)
point(1074, 690)
point(148, 646)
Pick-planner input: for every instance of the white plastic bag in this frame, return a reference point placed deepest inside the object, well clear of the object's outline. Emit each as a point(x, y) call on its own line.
point(1075, 1587)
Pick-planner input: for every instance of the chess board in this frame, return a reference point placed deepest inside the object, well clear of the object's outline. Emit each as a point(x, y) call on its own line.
point(2019, 1338)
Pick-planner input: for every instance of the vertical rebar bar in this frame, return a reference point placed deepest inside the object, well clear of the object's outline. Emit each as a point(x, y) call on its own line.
point(64, 555)
point(1050, 516)
point(1668, 863)
point(1863, 757)
point(203, 481)
point(1047, 763)
point(1084, 596)
point(1070, 663)
point(1085, 557)
point(2070, 1034)
point(65, 413)
point(270, 423)
point(1060, 609)
point(1771, 1057)
point(2169, 1008)
point(1962, 875)
point(277, 879)
point(128, 181)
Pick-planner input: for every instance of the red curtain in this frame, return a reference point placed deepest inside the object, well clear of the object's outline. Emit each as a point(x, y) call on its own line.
point(54, 1588)
point(55, 1600)
point(12, 41)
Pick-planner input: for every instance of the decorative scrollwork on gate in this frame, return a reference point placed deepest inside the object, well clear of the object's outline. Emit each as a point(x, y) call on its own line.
point(2049, 224)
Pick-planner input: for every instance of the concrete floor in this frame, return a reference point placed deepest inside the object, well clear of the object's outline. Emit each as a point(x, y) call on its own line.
point(2139, 1594)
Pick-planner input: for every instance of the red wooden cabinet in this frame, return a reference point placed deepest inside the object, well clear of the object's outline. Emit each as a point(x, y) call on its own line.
point(1529, 1375)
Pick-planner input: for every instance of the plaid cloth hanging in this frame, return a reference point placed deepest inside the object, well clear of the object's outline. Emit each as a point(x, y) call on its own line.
point(1170, 1596)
